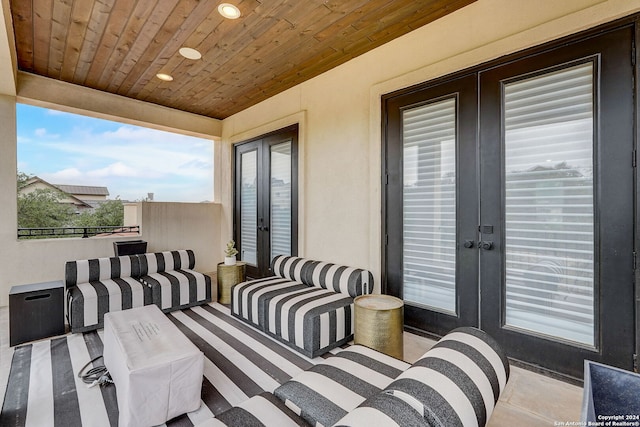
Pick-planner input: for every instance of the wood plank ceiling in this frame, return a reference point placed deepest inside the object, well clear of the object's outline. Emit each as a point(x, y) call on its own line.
point(119, 46)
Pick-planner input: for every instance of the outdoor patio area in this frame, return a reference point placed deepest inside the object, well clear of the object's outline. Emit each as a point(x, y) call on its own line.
point(529, 400)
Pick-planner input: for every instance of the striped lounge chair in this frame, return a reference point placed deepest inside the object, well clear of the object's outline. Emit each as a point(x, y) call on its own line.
point(173, 282)
point(456, 383)
point(98, 286)
point(308, 304)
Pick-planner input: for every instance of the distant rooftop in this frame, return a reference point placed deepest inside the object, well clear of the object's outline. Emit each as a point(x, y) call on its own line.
point(83, 190)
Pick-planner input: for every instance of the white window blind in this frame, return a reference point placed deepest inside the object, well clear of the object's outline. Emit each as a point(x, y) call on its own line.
point(429, 205)
point(548, 122)
point(281, 199)
point(248, 207)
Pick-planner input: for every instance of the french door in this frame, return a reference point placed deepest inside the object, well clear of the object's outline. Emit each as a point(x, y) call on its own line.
point(509, 204)
point(266, 201)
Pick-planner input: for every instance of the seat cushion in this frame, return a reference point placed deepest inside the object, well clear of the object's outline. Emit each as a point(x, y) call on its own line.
point(383, 410)
point(178, 289)
point(88, 302)
point(261, 410)
point(326, 392)
point(247, 298)
point(150, 263)
point(312, 320)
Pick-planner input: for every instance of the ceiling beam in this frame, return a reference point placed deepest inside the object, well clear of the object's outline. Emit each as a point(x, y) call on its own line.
point(55, 94)
point(8, 61)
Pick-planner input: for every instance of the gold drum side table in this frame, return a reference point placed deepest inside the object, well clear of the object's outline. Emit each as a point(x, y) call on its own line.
point(229, 275)
point(379, 323)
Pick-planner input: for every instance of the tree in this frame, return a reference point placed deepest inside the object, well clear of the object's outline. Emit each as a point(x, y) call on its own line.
point(42, 208)
point(109, 213)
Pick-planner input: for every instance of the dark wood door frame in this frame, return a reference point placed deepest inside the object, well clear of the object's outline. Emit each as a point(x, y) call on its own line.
point(262, 146)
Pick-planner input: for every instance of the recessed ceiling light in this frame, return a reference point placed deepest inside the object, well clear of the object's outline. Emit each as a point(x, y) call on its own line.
point(229, 11)
point(164, 77)
point(190, 53)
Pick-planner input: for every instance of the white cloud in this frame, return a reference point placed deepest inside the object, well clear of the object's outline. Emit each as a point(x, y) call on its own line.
point(40, 132)
point(65, 176)
point(114, 169)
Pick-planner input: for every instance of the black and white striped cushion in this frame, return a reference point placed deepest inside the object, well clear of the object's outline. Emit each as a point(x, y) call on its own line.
point(383, 410)
point(261, 410)
point(347, 280)
point(93, 270)
point(166, 261)
point(456, 383)
point(88, 302)
point(292, 268)
point(328, 391)
point(178, 289)
point(247, 298)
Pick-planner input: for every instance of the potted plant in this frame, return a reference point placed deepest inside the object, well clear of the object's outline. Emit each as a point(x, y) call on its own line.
point(230, 253)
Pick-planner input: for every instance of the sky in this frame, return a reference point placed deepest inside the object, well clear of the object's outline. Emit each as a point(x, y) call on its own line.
point(131, 161)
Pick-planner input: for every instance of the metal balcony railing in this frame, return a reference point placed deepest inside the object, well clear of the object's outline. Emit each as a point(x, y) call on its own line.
point(85, 232)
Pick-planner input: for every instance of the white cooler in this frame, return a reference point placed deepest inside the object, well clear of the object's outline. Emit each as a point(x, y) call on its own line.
point(156, 369)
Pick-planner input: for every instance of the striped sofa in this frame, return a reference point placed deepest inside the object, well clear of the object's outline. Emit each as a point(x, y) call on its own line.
point(456, 383)
point(98, 286)
point(308, 304)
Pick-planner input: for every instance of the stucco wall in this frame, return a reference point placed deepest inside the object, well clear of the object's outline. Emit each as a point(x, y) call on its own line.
point(340, 113)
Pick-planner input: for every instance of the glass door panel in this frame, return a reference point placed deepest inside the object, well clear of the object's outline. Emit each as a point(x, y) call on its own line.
point(280, 189)
point(429, 205)
point(249, 207)
point(549, 204)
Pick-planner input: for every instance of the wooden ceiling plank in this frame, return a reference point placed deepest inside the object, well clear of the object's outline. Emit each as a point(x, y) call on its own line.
point(92, 39)
point(115, 26)
point(42, 11)
point(267, 42)
point(201, 39)
point(22, 12)
point(439, 12)
point(168, 51)
point(362, 8)
point(80, 16)
point(60, 19)
point(131, 41)
point(229, 39)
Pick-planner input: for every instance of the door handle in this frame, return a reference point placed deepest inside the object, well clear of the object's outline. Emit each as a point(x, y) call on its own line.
point(486, 245)
point(263, 228)
point(468, 244)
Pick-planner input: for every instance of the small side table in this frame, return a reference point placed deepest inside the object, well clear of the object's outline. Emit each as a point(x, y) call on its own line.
point(36, 311)
point(379, 323)
point(229, 275)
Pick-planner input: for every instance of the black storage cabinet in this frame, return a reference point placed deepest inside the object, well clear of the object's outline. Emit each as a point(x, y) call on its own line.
point(36, 311)
point(129, 247)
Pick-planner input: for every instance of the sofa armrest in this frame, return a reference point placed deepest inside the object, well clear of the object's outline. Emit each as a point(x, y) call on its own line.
point(456, 383)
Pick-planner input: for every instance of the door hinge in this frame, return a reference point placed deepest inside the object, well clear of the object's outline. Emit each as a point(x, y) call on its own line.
point(635, 363)
point(634, 160)
point(386, 179)
point(633, 53)
point(386, 240)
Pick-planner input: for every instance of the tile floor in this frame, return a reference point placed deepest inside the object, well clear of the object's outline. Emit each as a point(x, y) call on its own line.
point(529, 400)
